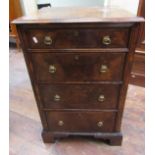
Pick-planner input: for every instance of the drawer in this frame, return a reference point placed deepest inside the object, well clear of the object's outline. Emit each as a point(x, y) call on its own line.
point(84, 96)
point(76, 38)
point(139, 63)
point(77, 67)
point(81, 121)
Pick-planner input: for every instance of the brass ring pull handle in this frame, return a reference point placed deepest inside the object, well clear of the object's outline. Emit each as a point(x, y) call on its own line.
point(47, 40)
point(60, 123)
point(57, 98)
point(52, 69)
point(101, 98)
point(103, 69)
point(106, 40)
point(100, 124)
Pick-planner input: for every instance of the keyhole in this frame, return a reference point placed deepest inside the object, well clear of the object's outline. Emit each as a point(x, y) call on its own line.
point(76, 57)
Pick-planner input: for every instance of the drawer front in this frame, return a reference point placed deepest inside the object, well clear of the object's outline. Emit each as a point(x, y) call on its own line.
point(76, 67)
point(81, 121)
point(76, 38)
point(84, 96)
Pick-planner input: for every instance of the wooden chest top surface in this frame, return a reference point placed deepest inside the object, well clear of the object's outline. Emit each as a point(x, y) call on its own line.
point(79, 15)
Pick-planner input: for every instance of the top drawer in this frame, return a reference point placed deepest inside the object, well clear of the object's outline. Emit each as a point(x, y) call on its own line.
point(58, 38)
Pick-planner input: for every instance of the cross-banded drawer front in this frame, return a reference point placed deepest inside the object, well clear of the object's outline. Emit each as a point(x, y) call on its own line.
point(84, 96)
point(81, 121)
point(77, 67)
point(57, 38)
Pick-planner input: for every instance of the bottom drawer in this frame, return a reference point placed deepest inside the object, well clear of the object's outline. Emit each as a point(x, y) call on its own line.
point(81, 121)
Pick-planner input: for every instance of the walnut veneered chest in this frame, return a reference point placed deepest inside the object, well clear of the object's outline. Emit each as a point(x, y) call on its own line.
point(79, 62)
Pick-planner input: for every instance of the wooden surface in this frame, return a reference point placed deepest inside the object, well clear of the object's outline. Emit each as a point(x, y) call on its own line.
point(141, 39)
point(79, 36)
point(59, 71)
point(86, 69)
point(82, 121)
point(78, 15)
point(25, 125)
point(15, 11)
point(69, 70)
point(138, 69)
point(126, 75)
point(86, 96)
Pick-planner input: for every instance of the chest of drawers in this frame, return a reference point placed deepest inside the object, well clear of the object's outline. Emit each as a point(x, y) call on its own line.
point(79, 62)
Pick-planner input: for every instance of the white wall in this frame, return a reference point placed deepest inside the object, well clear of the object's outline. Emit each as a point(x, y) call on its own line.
point(130, 5)
point(57, 3)
point(29, 6)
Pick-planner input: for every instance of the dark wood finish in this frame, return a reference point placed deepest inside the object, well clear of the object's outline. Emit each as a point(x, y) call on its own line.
point(76, 38)
point(141, 38)
point(83, 96)
point(25, 126)
point(87, 15)
point(138, 69)
point(81, 121)
point(137, 79)
point(77, 67)
point(139, 63)
point(77, 81)
point(127, 71)
point(112, 138)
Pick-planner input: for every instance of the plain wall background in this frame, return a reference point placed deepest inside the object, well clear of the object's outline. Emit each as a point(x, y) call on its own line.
point(130, 5)
point(57, 3)
point(29, 6)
